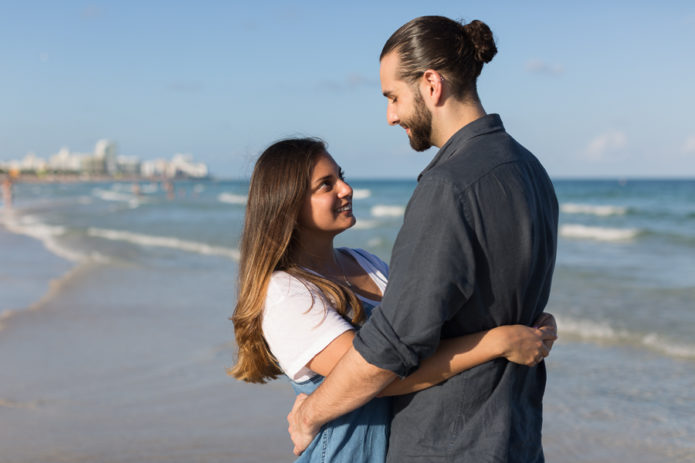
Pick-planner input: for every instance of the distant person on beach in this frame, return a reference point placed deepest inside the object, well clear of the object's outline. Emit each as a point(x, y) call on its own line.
point(7, 193)
point(301, 299)
point(476, 251)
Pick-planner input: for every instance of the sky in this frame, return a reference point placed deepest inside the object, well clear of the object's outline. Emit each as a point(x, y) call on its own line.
point(593, 88)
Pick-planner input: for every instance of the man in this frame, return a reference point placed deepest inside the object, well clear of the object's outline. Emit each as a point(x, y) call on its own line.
point(476, 250)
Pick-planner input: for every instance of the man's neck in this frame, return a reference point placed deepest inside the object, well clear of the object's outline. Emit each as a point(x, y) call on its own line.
point(452, 117)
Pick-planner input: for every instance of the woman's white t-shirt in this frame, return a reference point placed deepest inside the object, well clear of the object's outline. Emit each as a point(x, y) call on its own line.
point(295, 330)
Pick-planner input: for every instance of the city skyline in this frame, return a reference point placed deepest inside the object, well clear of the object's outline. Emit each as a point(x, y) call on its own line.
point(104, 160)
point(593, 89)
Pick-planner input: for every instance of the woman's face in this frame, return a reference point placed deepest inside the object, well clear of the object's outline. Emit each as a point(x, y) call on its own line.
point(328, 203)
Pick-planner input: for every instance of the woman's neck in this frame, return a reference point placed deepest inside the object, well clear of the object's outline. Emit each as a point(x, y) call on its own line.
point(318, 255)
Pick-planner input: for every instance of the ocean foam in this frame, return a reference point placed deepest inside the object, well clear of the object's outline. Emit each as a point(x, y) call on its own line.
point(598, 233)
point(592, 209)
point(164, 242)
point(604, 332)
point(108, 195)
point(361, 193)
point(590, 329)
point(659, 344)
point(149, 189)
point(364, 224)
point(47, 234)
point(231, 198)
point(387, 211)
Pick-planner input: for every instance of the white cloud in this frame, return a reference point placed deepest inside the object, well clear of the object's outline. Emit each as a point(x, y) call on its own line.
point(351, 82)
point(92, 12)
point(537, 66)
point(689, 145)
point(186, 87)
point(606, 143)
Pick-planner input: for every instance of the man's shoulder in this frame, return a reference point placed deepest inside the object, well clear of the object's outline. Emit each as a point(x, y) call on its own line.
point(473, 162)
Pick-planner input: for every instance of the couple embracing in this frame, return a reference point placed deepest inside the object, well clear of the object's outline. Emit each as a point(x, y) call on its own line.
point(440, 356)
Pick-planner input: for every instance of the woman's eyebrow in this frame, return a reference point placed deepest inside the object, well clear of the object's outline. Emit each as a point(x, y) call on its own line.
point(325, 177)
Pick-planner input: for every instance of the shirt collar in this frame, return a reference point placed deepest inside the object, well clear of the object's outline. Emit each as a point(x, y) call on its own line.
point(486, 124)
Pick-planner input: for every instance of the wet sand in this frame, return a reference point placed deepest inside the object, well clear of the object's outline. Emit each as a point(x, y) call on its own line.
point(119, 365)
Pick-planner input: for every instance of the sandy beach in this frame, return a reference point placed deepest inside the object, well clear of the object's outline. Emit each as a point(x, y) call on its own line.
point(112, 375)
point(108, 370)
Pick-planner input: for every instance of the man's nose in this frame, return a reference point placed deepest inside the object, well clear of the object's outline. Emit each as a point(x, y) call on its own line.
point(391, 116)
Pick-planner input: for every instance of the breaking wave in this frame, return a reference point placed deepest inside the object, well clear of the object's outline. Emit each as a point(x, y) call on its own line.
point(387, 211)
point(593, 209)
point(604, 332)
point(362, 193)
point(164, 242)
point(231, 198)
point(576, 231)
point(48, 234)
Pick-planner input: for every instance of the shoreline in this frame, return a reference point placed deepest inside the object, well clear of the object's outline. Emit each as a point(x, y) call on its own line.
point(30, 273)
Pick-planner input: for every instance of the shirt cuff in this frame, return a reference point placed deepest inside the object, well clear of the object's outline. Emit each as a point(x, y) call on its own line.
point(378, 344)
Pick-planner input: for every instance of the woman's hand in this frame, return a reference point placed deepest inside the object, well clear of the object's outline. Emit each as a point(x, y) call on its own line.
point(525, 345)
point(546, 322)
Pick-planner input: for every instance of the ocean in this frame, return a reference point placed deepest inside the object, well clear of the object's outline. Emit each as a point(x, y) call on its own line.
point(114, 330)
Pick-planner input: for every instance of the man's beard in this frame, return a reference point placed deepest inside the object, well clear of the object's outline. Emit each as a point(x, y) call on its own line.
point(420, 125)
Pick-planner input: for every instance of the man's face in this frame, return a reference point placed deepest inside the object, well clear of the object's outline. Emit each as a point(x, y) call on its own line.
point(405, 107)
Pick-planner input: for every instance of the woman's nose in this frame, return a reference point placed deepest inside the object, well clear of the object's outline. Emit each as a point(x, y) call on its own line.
point(345, 189)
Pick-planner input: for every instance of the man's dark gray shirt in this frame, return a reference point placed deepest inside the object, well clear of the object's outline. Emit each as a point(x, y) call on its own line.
point(476, 250)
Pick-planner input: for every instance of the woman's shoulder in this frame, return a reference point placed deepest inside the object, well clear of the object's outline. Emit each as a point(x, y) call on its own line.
point(283, 285)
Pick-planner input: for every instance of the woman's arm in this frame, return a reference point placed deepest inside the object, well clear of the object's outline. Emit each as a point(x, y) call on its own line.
point(517, 343)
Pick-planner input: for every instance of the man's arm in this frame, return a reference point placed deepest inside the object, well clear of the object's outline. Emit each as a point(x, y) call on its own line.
point(351, 384)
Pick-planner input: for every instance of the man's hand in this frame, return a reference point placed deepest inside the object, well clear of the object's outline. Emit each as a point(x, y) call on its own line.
point(301, 431)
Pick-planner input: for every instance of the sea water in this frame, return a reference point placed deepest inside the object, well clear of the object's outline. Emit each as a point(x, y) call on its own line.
point(114, 334)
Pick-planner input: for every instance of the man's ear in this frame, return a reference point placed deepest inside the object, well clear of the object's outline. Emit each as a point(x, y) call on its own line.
point(432, 86)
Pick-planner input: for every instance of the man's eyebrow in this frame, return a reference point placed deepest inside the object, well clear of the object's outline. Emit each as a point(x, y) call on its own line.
point(387, 93)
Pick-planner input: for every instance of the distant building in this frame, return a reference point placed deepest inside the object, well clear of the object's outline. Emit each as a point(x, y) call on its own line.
point(128, 165)
point(105, 161)
point(106, 151)
point(182, 166)
point(30, 163)
point(65, 162)
point(154, 168)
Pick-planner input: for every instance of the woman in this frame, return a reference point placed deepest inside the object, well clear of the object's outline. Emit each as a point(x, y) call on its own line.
point(300, 299)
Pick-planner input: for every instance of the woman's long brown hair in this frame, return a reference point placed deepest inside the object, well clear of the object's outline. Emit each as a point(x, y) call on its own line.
point(279, 185)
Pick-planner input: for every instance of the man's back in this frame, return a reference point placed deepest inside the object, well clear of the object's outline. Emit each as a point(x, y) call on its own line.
point(477, 250)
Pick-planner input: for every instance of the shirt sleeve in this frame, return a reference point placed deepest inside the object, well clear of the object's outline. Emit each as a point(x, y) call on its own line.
point(298, 323)
point(431, 277)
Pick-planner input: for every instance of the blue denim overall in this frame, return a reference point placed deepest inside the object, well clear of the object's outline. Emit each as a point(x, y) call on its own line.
point(360, 436)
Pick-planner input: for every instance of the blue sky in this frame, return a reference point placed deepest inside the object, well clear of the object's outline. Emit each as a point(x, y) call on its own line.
point(593, 89)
